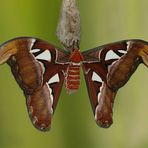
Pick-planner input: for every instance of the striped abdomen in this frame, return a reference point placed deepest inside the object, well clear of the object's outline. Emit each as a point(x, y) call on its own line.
point(72, 80)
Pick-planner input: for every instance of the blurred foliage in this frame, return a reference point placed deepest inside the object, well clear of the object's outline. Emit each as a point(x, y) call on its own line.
point(73, 124)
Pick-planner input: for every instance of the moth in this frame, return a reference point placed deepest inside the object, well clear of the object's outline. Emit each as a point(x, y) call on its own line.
point(41, 69)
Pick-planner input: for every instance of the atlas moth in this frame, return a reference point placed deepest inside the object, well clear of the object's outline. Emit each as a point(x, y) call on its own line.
point(40, 70)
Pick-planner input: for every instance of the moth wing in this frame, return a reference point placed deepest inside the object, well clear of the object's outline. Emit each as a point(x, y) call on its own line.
point(38, 68)
point(121, 59)
point(101, 96)
point(54, 63)
point(96, 67)
point(42, 103)
point(40, 108)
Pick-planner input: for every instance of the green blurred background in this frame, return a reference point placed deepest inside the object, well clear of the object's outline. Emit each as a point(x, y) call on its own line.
point(73, 125)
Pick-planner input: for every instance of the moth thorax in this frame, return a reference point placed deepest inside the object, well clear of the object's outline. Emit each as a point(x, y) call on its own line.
point(72, 80)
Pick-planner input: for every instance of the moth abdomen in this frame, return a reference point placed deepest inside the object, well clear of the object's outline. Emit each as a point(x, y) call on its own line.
point(72, 80)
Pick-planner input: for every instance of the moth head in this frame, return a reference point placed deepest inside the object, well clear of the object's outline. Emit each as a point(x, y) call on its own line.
point(6, 52)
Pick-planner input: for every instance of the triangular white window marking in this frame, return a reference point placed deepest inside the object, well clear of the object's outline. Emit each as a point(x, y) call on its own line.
point(54, 79)
point(34, 50)
point(122, 51)
point(46, 55)
point(111, 55)
point(96, 77)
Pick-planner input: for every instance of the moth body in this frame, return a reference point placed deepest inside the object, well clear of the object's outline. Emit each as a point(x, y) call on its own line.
point(72, 80)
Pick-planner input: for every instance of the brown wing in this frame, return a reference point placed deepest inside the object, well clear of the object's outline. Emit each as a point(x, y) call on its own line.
point(101, 96)
point(106, 69)
point(38, 68)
